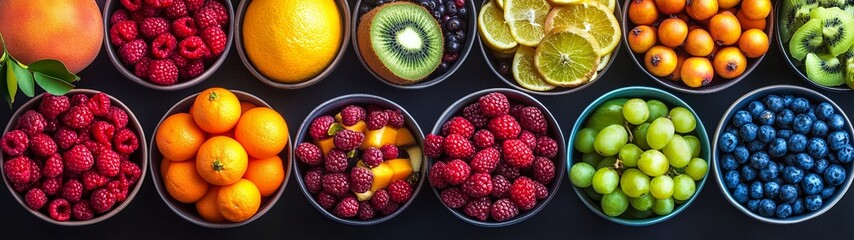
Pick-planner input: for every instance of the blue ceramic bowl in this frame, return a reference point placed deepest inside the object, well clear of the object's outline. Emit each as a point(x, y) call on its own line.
point(645, 93)
point(757, 94)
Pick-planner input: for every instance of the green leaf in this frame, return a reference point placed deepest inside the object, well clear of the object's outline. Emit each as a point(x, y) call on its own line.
point(351, 153)
point(11, 79)
point(53, 68)
point(24, 77)
point(334, 128)
point(51, 84)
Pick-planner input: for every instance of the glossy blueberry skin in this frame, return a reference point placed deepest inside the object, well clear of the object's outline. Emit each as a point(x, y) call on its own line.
point(802, 124)
point(784, 119)
point(756, 146)
point(812, 184)
point(834, 175)
point(788, 193)
point(797, 143)
point(766, 133)
point(819, 129)
point(741, 154)
point(778, 148)
point(812, 203)
point(823, 110)
point(804, 161)
point(835, 122)
point(820, 166)
point(767, 207)
point(783, 211)
point(773, 102)
point(728, 142)
point(759, 160)
point(798, 206)
point(784, 133)
point(755, 108)
point(740, 118)
point(755, 190)
point(793, 175)
point(837, 140)
point(748, 132)
point(767, 117)
point(817, 148)
point(769, 173)
point(731, 129)
point(828, 192)
point(753, 205)
point(800, 105)
point(728, 162)
point(748, 173)
point(740, 193)
point(845, 154)
point(771, 189)
point(790, 159)
point(787, 100)
point(732, 179)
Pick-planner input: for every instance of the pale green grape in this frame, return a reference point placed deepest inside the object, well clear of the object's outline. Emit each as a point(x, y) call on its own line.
point(635, 111)
point(642, 203)
point(661, 187)
point(592, 194)
point(659, 133)
point(657, 109)
point(607, 162)
point(663, 206)
point(677, 151)
point(637, 214)
point(683, 187)
point(639, 134)
point(694, 143)
point(683, 120)
point(615, 203)
point(584, 140)
point(630, 154)
point(610, 140)
point(591, 158)
point(634, 182)
point(653, 163)
point(605, 180)
point(581, 174)
point(697, 169)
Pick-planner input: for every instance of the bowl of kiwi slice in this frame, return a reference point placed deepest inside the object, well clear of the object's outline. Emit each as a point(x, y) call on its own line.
point(817, 38)
point(413, 44)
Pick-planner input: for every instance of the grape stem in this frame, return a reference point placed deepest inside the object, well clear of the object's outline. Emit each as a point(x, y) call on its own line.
point(618, 166)
point(629, 131)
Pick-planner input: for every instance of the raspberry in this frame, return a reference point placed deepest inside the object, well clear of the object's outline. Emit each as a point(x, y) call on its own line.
point(543, 170)
point(478, 208)
point(309, 154)
point(162, 72)
point(31, 122)
point(390, 208)
point(326, 200)
point(504, 127)
point(92, 180)
point(59, 209)
point(35, 172)
point(352, 114)
point(179, 61)
point(381, 199)
point(475, 116)
point(457, 146)
point(529, 139)
point(132, 5)
point(437, 175)
point(523, 193)
point(390, 151)
point(118, 117)
point(123, 32)
point(119, 16)
point(532, 119)
point(78, 117)
point(160, 3)
point(184, 27)
point(395, 118)
point(35, 199)
point(108, 163)
point(399, 191)
point(219, 11)
point(366, 211)
point(336, 184)
point(540, 191)
point(140, 69)
point(372, 157)
point(215, 39)
point(206, 17)
point(102, 200)
point(14, 143)
point(51, 186)
point(517, 154)
point(130, 53)
point(361, 180)
point(18, 169)
point(51, 126)
point(96, 148)
point(119, 189)
point(192, 70)
point(508, 172)
point(22, 187)
point(377, 120)
point(79, 99)
point(52, 106)
point(347, 208)
point(456, 172)
point(125, 141)
point(72, 190)
point(516, 110)
point(500, 187)
point(176, 10)
point(82, 211)
point(52, 166)
point(494, 104)
point(478, 185)
point(194, 5)
point(320, 126)
point(313, 180)
point(348, 139)
point(546, 147)
point(485, 160)
point(336, 161)
point(193, 48)
point(483, 139)
point(131, 171)
point(458, 125)
point(503, 210)
point(102, 131)
point(433, 145)
point(152, 27)
point(99, 104)
point(163, 46)
point(42, 145)
point(453, 197)
point(77, 159)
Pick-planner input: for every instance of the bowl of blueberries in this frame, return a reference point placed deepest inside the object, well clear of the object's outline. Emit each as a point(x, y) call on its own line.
point(782, 154)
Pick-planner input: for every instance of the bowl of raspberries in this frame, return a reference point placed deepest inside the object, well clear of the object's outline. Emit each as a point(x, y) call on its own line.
point(496, 157)
point(359, 159)
point(73, 160)
point(168, 44)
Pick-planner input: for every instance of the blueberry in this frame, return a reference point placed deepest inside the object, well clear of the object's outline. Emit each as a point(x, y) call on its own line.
point(801, 124)
point(740, 193)
point(740, 118)
point(748, 173)
point(748, 132)
point(812, 184)
point(777, 148)
point(845, 154)
point(443, 67)
point(759, 160)
point(365, 8)
point(798, 206)
point(804, 161)
point(731, 129)
point(783, 211)
point(778, 180)
point(828, 192)
point(769, 173)
point(820, 165)
point(425, 4)
point(773, 102)
point(461, 35)
point(728, 162)
point(812, 116)
point(784, 133)
point(440, 9)
point(772, 189)
point(462, 12)
point(823, 110)
point(766, 133)
point(755, 190)
point(753, 205)
point(790, 159)
point(756, 146)
point(813, 203)
point(755, 108)
point(453, 47)
point(819, 129)
point(797, 143)
point(792, 174)
point(731, 179)
point(817, 148)
point(767, 207)
point(835, 122)
point(453, 23)
point(450, 8)
point(788, 193)
point(787, 100)
point(834, 175)
point(784, 119)
point(766, 117)
point(741, 154)
point(800, 105)
point(837, 140)
point(727, 142)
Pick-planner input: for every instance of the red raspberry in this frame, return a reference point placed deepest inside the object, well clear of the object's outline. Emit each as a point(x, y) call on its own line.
point(160, 3)
point(51, 186)
point(336, 184)
point(82, 211)
point(125, 141)
point(206, 17)
point(59, 209)
point(130, 53)
point(118, 117)
point(42, 145)
point(77, 159)
point(347, 208)
point(102, 200)
point(381, 199)
point(361, 180)
point(336, 161)
point(140, 69)
point(193, 48)
point(52, 106)
point(457, 146)
point(395, 118)
point(194, 5)
point(184, 27)
point(131, 171)
point(483, 139)
point(348, 139)
point(109, 163)
point(92, 180)
point(500, 187)
point(352, 114)
point(390, 151)
point(215, 39)
point(541, 192)
point(504, 127)
point(372, 157)
point(35, 199)
point(35, 172)
point(390, 208)
point(366, 211)
point(96, 148)
point(79, 99)
point(453, 197)
point(22, 187)
point(475, 116)
point(400, 191)
point(31, 122)
point(153, 26)
point(437, 175)
point(529, 139)
point(132, 5)
point(508, 172)
point(478, 185)
point(309, 154)
point(377, 120)
point(119, 16)
point(516, 110)
point(99, 104)
point(18, 170)
point(517, 154)
point(503, 210)
point(478, 208)
point(485, 160)
point(176, 10)
point(163, 46)
point(320, 126)
point(78, 117)
point(119, 188)
point(14, 143)
point(458, 125)
point(543, 170)
point(494, 104)
point(51, 126)
point(313, 180)
point(72, 190)
point(220, 11)
point(532, 119)
point(546, 147)
point(123, 32)
point(433, 145)
point(456, 172)
point(52, 166)
point(192, 70)
point(179, 61)
point(523, 193)
point(103, 131)
point(163, 72)
point(326, 200)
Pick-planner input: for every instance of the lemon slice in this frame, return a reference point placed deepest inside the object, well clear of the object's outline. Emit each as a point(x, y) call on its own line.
point(592, 17)
point(525, 73)
point(565, 2)
point(567, 57)
point(610, 3)
point(527, 20)
point(493, 28)
point(603, 63)
point(500, 4)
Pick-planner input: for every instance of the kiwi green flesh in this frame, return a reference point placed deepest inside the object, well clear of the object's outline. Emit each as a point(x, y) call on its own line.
point(825, 70)
point(807, 39)
point(849, 72)
point(407, 40)
point(837, 29)
point(794, 14)
point(832, 3)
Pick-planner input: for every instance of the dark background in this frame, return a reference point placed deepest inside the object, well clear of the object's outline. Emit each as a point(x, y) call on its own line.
point(711, 216)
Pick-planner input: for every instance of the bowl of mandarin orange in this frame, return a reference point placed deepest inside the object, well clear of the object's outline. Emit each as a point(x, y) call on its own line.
point(220, 158)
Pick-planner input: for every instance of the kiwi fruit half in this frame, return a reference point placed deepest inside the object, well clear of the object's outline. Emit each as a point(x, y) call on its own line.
point(838, 28)
point(401, 42)
point(807, 39)
point(825, 70)
point(794, 14)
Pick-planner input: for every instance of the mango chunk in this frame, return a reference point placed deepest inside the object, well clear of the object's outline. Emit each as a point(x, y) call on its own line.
point(325, 145)
point(404, 138)
point(382, 176)
point(360, 126)
point(401, 167)
point(380, 137)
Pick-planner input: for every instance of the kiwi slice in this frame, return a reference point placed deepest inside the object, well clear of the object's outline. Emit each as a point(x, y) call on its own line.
point(825, 70)
point(838, 29)
point(794, 14)
point(849, 72)
point(401, 42)
point(832, 3)
point(807, 39)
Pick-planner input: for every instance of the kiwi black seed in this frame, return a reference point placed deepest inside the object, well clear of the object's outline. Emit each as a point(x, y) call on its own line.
point(838, 28)
point(807, 39)
point(825, 70)
point(794, 14)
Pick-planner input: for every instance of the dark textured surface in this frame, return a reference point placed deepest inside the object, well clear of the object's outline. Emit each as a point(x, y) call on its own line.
point(711, 216)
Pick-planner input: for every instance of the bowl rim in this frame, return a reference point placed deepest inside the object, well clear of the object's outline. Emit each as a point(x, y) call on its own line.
point(704, 140)
point(681, 87)
point(491, 62)
point(359, 98)
point(789, 60)
point(132, 123)
point(156, 178)
point(110, 6)
point(764, 91)
point(427, 82)
point(557, 134)
point(343, 7)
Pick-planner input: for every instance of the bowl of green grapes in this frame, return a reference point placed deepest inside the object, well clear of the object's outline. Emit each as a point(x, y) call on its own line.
point(639, 156)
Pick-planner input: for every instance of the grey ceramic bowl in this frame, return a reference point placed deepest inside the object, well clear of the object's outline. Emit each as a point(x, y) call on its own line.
point(471, 33)
point(742, 102)
point(188, 211)
point(332, 107)
point(645, 93)
point(718, 83)
point(794, 64)
point(138, 157)
point(554, 132)
point(112, 5)
point(343, 9)
point(493, 62)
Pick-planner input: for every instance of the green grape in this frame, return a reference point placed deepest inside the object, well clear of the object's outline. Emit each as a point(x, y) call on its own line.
point(591, 158)
point(610, 112)
point(584, 140)
point(640, 136)
point(630, 154)
point(657, 109)
point(697, 169)
point(581, 174)
point(653, 163)
point(592, 194)
point(605, 180)
point(635, 111)
point(677, 151)
point(637, 214)
point(683, 187)
point(610, 140)
point(659, 133)
point(661, 187)
point(663, 207)
point(683, 120)
point(634, 182)
point(694, 143)
point(615, 203)
point(642, 203)
point(606, 162)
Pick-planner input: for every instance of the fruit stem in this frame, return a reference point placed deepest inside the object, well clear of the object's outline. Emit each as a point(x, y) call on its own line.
point(212, 96)
point(618, 165)
point(217, 165)
point(629, 131)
